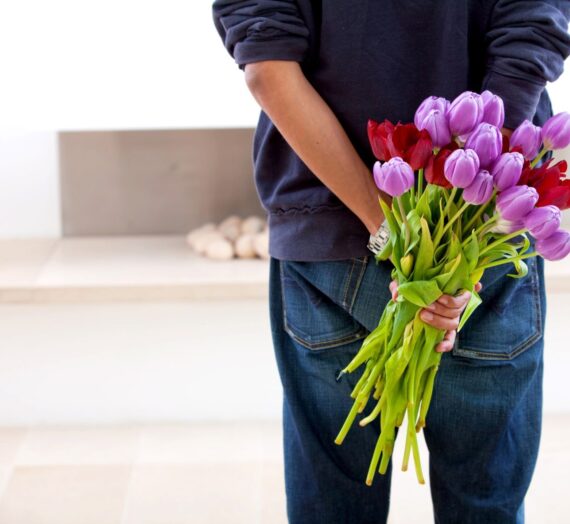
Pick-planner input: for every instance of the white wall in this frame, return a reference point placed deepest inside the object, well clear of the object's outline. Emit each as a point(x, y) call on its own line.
point(110, 64)
point(29, 192)
point(117, 64)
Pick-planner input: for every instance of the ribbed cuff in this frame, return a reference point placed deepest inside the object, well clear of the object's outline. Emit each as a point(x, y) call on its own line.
point(292, 49)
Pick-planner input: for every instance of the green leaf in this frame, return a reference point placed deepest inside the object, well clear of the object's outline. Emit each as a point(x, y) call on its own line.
point(414, 222)
point(389, 215)
point(385, 253)
point(440, 223)
point(434, 271)
point(473, 304)
point(422, 293)
point(454, 247)
point(422, 207)
point(399, 359)
point(439, 254)
point(521, 269)
point(424, 259)
point(397, 254)
point(443, 278)
point(472, 251)
point(459, 277)
point(404, 313)
point(433, 336)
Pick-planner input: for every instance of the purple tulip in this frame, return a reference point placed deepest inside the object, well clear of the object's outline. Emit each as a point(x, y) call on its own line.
point(431, 102)
point(516, 202)
point(507, 226)
point(465, 113)
point(556, 132)
point(543, 221)
point(461, 167)
point(487, 142)
point(480, 190)
point(528, 138)
point(554, 247)
point(436, 125)
point(507, 170)
point(493, 109)
point(394, 177)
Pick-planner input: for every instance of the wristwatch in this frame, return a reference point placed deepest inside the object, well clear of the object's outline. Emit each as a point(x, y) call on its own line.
point(379, 239)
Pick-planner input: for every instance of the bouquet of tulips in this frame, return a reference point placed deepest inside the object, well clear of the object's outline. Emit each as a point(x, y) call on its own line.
point(464, 198)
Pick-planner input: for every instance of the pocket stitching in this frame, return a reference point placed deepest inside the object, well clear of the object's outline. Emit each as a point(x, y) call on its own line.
point(330, 343)
point(349, 304)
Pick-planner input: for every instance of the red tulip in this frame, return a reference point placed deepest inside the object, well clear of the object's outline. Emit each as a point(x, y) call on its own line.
point(550, 181)
point(434, 172)
point(378, 137)
point(400, 140)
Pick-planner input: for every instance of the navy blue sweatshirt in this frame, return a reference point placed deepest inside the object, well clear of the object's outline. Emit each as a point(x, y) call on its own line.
point(379, 59)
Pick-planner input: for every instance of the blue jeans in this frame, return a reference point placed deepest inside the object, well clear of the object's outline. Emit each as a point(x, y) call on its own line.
point(484, 423)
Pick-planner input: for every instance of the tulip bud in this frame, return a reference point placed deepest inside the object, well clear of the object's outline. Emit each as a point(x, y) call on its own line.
point(556, 132)
point(480, 190)
point(554, 247)
point(516, 202)
point(543, 221)
point(528, 138)
point(493, 109)
point(435, 123)
point(407, 264)
point(507, 170)
point(431, 102)
point(487, 142)
point(465, 113)
point(461, 167)
point(394, 177)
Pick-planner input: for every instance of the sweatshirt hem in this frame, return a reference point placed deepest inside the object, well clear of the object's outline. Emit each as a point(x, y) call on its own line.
point(331, 234)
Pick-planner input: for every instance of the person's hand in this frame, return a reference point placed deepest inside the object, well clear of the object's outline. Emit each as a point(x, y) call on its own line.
point(444, 313)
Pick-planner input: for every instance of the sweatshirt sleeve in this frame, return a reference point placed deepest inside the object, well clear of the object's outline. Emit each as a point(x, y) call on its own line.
point(253, 31)
point(526, 44)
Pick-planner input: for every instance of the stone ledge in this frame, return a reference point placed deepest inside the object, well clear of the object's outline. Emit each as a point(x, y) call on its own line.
point(122, 269)
point(98, 269)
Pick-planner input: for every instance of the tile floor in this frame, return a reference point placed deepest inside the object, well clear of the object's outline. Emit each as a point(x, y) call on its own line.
point(201, 474)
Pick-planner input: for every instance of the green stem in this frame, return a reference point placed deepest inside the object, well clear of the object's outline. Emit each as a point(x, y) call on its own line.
point(396, 213)
point(405, 221)
point(347, 424)
point(543, 152)
point(481, 210)
point(482, 229)
point(449, 224)
point(420, 182)
point(374, 461)
point(501, 240)
point(508, 260)
point(450, 200)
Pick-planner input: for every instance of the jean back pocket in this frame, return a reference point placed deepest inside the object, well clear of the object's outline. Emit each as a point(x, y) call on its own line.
point(510, 319)
point(318, 298)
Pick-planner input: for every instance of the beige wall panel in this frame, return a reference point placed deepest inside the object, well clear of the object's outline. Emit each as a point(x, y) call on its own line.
point(154, 182)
